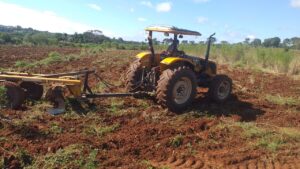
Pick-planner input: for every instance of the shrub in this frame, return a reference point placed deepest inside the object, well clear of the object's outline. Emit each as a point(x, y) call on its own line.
point(53, 57)
point(22, 64)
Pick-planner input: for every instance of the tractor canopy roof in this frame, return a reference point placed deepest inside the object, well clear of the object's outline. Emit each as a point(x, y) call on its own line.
point(172, 29)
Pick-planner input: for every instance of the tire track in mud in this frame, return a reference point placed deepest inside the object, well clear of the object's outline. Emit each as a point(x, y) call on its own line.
point(285, 160)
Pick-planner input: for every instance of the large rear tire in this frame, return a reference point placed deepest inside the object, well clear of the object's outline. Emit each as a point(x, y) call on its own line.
point(176, 88)
point(15, 95)
point(220, 88)
point(134, 77)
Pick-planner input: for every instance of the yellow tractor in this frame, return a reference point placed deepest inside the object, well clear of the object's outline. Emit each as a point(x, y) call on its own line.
point(173, 75)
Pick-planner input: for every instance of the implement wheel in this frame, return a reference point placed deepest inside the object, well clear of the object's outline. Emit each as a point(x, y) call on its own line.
point(176, 88)
point(33, 90)
point(134, 77)
point(15, 95)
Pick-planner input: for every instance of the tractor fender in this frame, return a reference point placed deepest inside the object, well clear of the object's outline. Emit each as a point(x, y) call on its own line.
point(144, 58)
point(170, 61)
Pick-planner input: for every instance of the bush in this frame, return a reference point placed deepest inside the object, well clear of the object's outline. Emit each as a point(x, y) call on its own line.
point(22, 64)
point(53, 57)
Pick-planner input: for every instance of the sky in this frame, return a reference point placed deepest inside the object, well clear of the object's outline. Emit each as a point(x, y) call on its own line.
point(232, 20)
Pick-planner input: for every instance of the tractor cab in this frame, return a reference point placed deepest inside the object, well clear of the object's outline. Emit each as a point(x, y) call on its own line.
point(177, 33)
point(172, 53)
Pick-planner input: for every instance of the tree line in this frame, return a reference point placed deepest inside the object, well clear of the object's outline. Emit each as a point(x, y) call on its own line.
point(28, 36)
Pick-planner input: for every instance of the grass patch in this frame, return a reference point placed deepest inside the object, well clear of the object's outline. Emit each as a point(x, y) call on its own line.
point(269, 139)
point(53, 57)
point(116, 106)
point(68, 157)
point(143, 104)
point(100, 87)
point(25, 158)
point(3, 99)
point(22, 64)
point(148, 165)
point(108, 129)
point(101, 131)
point(176, 141)
point(56, 129)
point(280, 100)
point(91, 162)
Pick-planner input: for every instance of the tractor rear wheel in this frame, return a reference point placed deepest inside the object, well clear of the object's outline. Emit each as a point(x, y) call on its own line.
point(134, 77)
point(33, 90)
point(15, 95)
point(176, 88)
point(220, 88)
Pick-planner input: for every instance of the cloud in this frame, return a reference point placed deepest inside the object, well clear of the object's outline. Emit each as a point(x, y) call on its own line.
point(201, 1)
point(202, 19)
point(40, 20)
point(295, 3)
point(164, 7)
point(142, 19)
point(251, 37)
point(95, 7)
point(147, 3)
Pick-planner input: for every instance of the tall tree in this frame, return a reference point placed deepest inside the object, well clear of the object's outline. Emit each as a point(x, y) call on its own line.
point(272, 42)
point(247, 41)
point(256, 42)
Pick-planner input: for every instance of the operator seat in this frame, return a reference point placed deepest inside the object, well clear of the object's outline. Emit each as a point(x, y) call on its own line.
point(173, 50)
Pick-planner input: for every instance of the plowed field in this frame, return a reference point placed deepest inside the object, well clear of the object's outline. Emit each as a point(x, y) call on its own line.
point(258, 127)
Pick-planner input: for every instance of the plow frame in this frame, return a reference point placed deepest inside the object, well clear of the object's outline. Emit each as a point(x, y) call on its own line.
point(76, 82)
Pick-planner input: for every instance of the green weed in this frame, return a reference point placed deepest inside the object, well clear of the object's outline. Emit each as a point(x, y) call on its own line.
point(280, 100)
point(25, 158)
point(108, 129)
point(22, 64)
point(3, 99)
point(115, 106)
point(62, 158)
point(101, 130)
point(148, 164)
point(55, 128)
point(176, 141)
point(53, 57)
point(270, 139)
point(100, 87)
point(91, 160)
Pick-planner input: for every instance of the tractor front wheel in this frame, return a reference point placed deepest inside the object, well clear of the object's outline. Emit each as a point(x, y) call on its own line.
point(176, 88)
